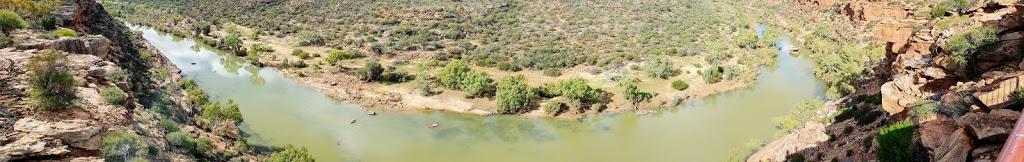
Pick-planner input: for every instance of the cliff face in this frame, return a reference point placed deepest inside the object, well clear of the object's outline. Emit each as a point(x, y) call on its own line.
point(973, 110)
point(107, 55)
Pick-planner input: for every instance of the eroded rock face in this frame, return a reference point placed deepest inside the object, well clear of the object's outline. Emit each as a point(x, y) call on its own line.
point(808, 137)
point(92, 45)
point(956, 148)
point(935, 132)
point(864, 12)
point(994, 126)
point(44, 138)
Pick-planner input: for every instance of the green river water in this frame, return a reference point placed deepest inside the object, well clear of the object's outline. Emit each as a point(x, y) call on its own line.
point(279, 111)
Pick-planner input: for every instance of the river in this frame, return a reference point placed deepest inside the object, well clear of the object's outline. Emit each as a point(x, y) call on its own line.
point(278, 111)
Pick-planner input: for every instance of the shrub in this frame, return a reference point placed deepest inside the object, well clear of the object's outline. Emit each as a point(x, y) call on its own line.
point(633, 94)
point(575, 89)
point(939, 10)
point(370, 72)
point(712, 74)
point(801, 113)
point(924, 108)
point(123, 146)
point(597, 107)
point(10, 21)
point(553, 107)
point(292, 154)
point(425, 89)
point(476, 84)
point(508, 66)
point(968, 44)
point(452, 74)
point(307, 38)
point(513, 94)
point(6, 42)
point(680, 85)
point(168, 125)
point(114, 96)
point(660, 68)
point(894, 142)
point(334, 56)
point(65, 33)
point(204, 147)
point(48, 23)
point(746, 39)
point(181, 139)
point(300, 53)
point(1018, 94)
point(53, 84)
point(957, 5)
point(552, 72)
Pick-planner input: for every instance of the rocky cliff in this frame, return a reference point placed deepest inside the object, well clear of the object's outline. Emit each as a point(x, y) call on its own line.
point(962, 111)
point(106, 55)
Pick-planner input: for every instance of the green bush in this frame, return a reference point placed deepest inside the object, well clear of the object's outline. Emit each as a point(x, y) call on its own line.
point(66, 33)
point(370, 72)
point(204, 147)
point(924, 108)
point(291, 154)
point(513, 95)
point(168, 125)
point(553, 107)
point(6, 42)
point(895, 142)
point(747, 39)
point(508, 66)
point(967, 45)
point(334, 56)
point(123, 146)
point(576, 89)
point(48, 23)
point(181, 139)
point(660, 68)
point(452, 74)
point(307, 38)
point(10, 21)
point(1018, 95)
point(552, 72)
point(114, 96)
point(939, 10)
point(300, 53)
point(53, 84)
point(633, 94)
point(801, 113)
point(475, 84)
point(680, 85)
point(712, 74)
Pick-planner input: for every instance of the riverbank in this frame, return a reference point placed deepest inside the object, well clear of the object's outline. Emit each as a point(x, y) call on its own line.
point(340, 81)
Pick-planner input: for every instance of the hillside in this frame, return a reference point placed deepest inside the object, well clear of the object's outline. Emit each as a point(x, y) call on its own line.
point(77, 85)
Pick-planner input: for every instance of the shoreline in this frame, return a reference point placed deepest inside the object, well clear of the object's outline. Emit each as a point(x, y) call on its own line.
point(339, 82)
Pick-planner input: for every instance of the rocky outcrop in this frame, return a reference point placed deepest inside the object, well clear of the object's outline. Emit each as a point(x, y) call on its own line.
point(864, 12)
point(43, 138)
point(956, 148)
point(808, 137)
point(994, 126)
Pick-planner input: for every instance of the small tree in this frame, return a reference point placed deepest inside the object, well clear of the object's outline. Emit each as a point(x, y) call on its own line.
point(476, 84)
point(370, 72)
point(123, 146)
point(969, 44)
point(452, 74)
point(632, 93)
point(10, 21)
point(660, 68)
point(513, 94)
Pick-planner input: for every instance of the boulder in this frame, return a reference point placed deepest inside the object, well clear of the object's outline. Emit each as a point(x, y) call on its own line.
point(45, 138)
point(933, 133)
point(898, 34)
point(98, 46)
point(955, 148)
point(808, 137)
point(994, 126)
point(934, 73)
point(70, 45)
